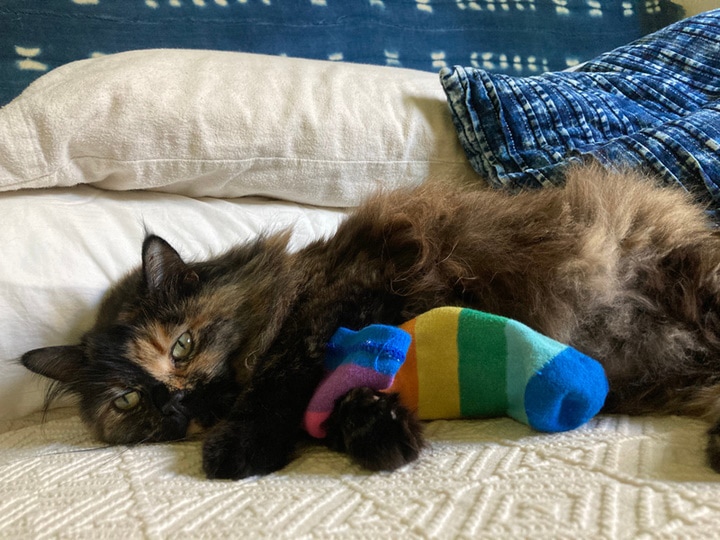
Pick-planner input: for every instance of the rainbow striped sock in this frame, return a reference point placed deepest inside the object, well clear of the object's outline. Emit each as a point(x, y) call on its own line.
point(454, 362)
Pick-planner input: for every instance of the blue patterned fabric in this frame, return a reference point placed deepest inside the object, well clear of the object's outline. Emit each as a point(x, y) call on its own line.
point(653, 104)
point(519, 37)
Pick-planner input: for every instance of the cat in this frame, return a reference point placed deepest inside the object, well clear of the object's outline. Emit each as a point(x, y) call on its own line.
point(611, 264)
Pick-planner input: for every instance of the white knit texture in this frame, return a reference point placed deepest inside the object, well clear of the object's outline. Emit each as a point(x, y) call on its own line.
point(617, 477)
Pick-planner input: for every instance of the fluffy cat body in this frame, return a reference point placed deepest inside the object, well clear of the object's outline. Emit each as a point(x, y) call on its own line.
point(621, 270)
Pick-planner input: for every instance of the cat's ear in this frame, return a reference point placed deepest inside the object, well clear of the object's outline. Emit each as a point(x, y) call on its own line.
point(163, 267)
point(60, 363)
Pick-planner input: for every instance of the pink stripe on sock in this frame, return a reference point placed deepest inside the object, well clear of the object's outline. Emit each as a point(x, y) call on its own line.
point(313, 423)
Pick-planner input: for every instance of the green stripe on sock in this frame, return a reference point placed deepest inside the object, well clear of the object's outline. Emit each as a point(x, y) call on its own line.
point(482, 353)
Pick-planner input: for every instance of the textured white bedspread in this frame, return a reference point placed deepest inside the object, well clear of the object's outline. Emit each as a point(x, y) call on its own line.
point(617, 477)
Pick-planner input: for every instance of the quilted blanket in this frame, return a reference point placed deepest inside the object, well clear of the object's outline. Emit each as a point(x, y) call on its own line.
point(617, 477)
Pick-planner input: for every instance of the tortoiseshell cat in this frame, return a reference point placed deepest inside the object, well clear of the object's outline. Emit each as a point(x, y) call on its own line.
point(619, 269)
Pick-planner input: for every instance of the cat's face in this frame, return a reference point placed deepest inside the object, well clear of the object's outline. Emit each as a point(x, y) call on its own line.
point(158, 361)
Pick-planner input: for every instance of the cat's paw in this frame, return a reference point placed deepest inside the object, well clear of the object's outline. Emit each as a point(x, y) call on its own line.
point(375, 430)
point(233, 451)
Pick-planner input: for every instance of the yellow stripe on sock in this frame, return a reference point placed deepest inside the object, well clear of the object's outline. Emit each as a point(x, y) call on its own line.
point(406, 380)
point(437, 362)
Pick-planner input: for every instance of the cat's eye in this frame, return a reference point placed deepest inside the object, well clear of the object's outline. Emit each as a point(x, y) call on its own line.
point(129, 400)
point(183, 347)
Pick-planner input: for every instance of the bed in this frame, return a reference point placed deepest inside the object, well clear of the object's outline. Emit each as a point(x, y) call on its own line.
point(208, 147)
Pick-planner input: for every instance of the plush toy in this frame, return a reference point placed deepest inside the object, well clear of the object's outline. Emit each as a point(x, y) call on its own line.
point(454, 362)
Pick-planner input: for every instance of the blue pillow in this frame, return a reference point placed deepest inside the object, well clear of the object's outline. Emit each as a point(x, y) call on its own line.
point(653, 104)
point(521, 37)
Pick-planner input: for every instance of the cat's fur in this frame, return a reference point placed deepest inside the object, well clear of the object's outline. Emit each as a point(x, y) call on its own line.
point(621, 270)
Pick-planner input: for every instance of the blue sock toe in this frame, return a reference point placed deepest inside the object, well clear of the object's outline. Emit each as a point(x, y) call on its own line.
point(566, 393)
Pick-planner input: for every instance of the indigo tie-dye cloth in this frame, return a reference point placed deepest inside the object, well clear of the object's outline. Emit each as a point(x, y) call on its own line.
point(653, 104)
point(519, 37)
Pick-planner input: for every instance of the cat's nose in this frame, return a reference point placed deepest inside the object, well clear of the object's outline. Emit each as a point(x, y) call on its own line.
point(174, 404)
point(167, 402)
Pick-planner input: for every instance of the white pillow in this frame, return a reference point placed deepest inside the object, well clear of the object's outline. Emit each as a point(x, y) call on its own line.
point(224, 124)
